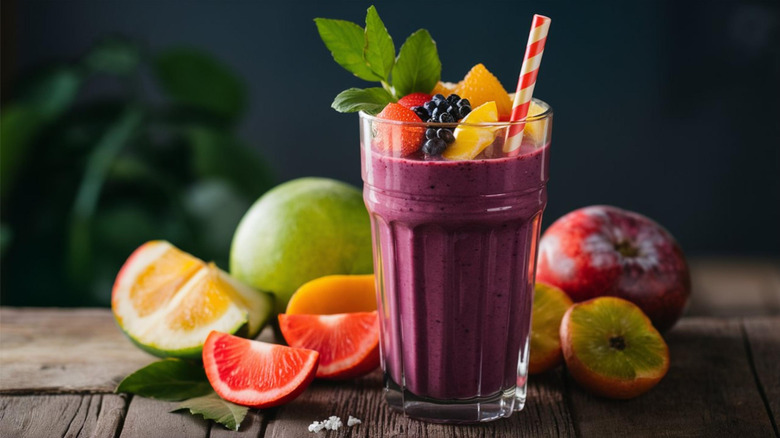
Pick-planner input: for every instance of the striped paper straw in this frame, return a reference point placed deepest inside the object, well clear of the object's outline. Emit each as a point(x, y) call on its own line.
point(525, 84)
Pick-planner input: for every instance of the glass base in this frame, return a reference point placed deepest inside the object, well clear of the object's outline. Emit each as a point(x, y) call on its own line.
point(461, 411)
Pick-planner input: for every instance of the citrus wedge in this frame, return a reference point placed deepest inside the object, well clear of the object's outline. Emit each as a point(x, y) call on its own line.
point(256, 374)
point(334, 294)
point(550, 303)
point(348, 343)
point(167, 301)
point(471, 140)
point(536, 129)
point(481, 86)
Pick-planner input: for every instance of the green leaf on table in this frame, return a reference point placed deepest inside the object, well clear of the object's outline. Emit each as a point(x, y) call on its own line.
point(212, 407)
point(346, 41)
point(370, 100)
point(379, 51)
point(196, 79)
point(417, 68)
point(168, 379)
point(114, 55)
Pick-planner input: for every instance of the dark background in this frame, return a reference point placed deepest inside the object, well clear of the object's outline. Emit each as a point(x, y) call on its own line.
point(668, 108)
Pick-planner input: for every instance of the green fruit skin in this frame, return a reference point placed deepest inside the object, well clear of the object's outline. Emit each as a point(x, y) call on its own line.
point(301, 230)
point(193, 353)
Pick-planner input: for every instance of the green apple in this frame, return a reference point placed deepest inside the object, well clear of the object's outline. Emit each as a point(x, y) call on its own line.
point(301, 230)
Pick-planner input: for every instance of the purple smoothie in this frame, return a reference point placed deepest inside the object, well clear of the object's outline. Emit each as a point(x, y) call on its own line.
point(454, 255)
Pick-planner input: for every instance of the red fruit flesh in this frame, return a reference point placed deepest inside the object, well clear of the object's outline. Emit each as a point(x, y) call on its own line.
point(348, 343)
point(257, 374)
point(414, 99)
point(606, 251)
point(394, 138)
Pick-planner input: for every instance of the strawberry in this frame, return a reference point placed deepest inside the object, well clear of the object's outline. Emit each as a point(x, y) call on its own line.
point(395, 139)
point(414, 99)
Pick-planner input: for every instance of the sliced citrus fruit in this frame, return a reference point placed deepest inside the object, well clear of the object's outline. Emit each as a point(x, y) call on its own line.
point(167, 301)
point(536, 129)
point(334, 294)
point(444, 88)
point(612, 349)
point(348, 343)
point(257, 374)
point(471, 140)
point(550, 303)
point(480, 86)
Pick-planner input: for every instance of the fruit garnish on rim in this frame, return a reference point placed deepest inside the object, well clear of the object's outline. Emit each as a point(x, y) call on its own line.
point(348, 343)
point(167, 301)
point(470, 141)
point(257, 374)
point(612, 349)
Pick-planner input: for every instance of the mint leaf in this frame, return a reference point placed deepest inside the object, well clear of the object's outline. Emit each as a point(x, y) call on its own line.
point(370, 100)
point(212, 407)
point(417, 68)
point(379, 52)
point(168, 379)
point(346, 41)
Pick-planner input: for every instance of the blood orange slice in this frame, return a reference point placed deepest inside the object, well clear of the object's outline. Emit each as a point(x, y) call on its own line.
point(348, 343)
point(257, 374)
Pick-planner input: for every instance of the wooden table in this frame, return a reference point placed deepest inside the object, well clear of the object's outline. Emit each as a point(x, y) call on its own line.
point(58, 369)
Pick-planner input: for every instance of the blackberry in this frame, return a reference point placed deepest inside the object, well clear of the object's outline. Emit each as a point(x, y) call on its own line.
point(445, 134)
point(421, 112)
point(434, 146)
point(440, 109)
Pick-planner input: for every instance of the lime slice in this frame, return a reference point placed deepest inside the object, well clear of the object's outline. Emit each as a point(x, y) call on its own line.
point(167, 302)
point(471, 140)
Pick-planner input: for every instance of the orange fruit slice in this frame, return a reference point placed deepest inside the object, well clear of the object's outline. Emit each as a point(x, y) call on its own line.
point(444, 88)
point(348, 343)
point(257, 374)
point(550, 303)
point(480, 86)
point(471, 140)
point(167, 301)
point(334, 294)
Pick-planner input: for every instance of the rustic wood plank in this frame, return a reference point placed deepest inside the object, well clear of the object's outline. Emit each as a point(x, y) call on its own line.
point(61, 415)
point(149, 418)
point(709, 391)
point(67, 351)
point(545, 413)
point(252, 426)
point(763, 340)
point(735, 287)
point(64, 350)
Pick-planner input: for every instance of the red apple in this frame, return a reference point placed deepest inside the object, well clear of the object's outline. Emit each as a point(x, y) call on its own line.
point(606, 251)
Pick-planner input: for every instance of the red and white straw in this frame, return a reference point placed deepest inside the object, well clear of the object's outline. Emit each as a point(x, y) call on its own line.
point(525, 84)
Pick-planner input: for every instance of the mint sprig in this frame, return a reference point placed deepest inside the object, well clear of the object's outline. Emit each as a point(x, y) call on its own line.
point(185, 381)
point(369, 53)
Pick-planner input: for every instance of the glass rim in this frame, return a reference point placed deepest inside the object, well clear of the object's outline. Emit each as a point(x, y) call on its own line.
point(548, 111)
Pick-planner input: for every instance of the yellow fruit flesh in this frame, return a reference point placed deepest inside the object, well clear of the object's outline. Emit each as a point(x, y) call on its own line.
point(206, 303)
point(159, 281)
point(480, 86)
point(444, 88)
point(471, 140)
point(550, 304)
point(535, 130)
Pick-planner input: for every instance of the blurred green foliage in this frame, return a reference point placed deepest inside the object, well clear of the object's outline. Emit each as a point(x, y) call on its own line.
point(86, 178)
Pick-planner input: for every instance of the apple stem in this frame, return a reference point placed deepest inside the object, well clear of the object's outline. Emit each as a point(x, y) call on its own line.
point(626, 249)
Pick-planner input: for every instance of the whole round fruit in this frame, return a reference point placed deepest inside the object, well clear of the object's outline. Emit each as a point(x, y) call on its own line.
point(612, 349)
point(605, 251)
point(301, 230)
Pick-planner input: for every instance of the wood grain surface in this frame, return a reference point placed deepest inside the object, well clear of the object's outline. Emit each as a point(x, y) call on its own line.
point(58, 369)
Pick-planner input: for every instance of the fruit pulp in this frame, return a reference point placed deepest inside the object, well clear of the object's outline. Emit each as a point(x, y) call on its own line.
point(455, 247)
